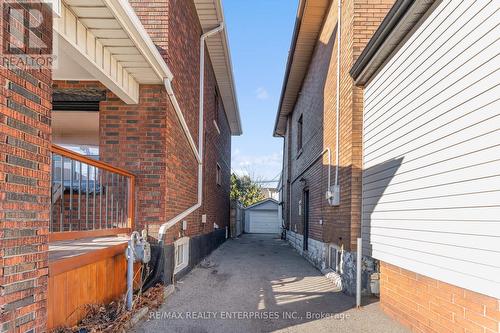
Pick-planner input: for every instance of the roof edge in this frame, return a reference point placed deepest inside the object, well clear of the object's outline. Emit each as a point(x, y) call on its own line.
point(396, 13)
point(225, 41)
point(215, 17)
point(397, 25)
point(291, 52)
point(262, 202)
point(128, 18)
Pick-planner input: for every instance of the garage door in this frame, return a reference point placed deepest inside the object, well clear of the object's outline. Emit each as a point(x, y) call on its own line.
point(263, 222)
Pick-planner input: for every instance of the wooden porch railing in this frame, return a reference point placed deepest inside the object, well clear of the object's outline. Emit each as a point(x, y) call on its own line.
point(89, 198)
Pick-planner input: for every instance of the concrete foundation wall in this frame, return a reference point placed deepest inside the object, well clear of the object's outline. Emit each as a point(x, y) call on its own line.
point(318, 255)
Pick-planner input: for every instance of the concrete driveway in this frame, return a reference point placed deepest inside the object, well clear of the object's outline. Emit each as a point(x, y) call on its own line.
point(258, 283)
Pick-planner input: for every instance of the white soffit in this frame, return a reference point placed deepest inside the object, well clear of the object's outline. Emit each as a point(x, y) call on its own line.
point(309, 22)
point(107, 39)
point(210, 14)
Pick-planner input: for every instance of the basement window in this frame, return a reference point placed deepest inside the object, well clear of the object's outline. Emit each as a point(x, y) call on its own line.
point(181, 254)
point(218, 175)
point(334, 258)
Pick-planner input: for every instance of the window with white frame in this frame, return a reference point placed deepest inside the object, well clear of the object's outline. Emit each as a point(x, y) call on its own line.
point(181, 254)
point(335, 258)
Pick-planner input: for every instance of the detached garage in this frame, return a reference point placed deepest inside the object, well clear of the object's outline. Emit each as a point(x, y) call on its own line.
point(262, 218)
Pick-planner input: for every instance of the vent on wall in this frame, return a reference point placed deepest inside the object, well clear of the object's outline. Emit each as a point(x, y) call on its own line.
point(77, 99)
point(75, 106)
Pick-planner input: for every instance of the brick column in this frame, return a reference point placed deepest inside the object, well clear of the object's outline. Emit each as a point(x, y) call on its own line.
point(25, 136)
point(133, 137)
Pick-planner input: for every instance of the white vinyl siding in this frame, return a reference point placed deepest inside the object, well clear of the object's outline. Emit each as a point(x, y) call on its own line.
point(431, 179)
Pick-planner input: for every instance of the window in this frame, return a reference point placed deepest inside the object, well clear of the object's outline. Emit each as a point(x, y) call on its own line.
point(335, 260)
point(299, 134)
point(218, 175)
point(217, 112)
point(181, 254)
point(216, 103)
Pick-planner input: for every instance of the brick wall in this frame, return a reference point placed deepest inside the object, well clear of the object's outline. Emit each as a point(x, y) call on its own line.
point(133, 137)
point(154, 16)
point(216, 198)
point(182, 177)
point(147, 139)
point(25, 134)
point(317, 105)
point(427, 305)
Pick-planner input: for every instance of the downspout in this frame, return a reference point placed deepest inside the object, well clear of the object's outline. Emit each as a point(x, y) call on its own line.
point(198, 152)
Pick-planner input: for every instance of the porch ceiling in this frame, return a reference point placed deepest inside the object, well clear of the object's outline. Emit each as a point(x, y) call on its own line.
point(107, 40)
point(210, 14)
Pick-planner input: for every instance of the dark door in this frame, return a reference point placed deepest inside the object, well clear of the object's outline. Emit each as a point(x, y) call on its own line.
point(306, 219)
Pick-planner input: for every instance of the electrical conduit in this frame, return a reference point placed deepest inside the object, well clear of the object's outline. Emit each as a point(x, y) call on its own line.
point(336, 189)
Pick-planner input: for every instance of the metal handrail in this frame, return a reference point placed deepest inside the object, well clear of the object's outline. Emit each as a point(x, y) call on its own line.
point(107, 193)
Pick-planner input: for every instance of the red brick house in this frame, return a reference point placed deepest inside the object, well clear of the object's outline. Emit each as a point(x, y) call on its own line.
point(320, 119)
point(110, 138)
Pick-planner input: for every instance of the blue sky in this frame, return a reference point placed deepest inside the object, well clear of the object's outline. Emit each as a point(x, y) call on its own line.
point(259, 37)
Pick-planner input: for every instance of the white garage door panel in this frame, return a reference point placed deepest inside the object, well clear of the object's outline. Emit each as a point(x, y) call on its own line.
point(264, 222)
point(431, 180)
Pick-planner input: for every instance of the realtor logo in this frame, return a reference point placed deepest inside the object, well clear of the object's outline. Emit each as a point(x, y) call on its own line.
point(27, 34)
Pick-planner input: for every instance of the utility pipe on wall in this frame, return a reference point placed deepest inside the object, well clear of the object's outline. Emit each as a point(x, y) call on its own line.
point(335, 201)
point(359, 258)
point(198, 152)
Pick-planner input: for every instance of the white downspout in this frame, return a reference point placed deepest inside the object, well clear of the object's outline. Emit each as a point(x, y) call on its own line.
point(198, 152)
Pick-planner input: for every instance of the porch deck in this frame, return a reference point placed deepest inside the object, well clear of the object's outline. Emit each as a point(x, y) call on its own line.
point(92, 211)
point(70, 254)
point(72, 248)
point(84, 271)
